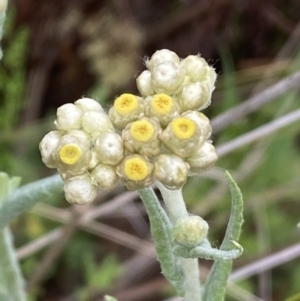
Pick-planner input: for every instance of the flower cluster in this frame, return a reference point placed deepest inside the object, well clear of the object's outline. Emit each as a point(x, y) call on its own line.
point(160, 135)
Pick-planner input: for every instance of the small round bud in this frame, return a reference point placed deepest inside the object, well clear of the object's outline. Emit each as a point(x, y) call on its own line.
point(109, 148)
point(194, 96)
point(202, 121)
point(88, 105)
point(96, 123)
point(142, 136)
point(68, 117)
point(182, 136)
point(48, 147)
point(136, 172)
point(167, 77)
point(203, 159)
point(161, 56)
point(80, 190)
point(195, 67)
point(104, 176)
point(143, 83)
point(163, 107)
point(127, 108)
point(171, 171)
point(190, 231)
point(198, 70)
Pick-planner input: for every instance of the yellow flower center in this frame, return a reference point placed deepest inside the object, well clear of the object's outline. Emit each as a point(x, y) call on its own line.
point(142, 130)
point(136, 169)
point(183, 128)
point(126, 103)
point(162, 103)
point(70, 154)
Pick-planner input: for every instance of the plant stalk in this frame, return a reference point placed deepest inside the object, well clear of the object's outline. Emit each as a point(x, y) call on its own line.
point(176, 208)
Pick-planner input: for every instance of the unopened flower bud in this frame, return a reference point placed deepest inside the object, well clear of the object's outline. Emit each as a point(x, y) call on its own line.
point(96, 123)
point(104, 176)
point(142, 136)
point(109, 148)
point(182, 136)
point(171, 171)
point(80, 190)
point(190, 231)
point(68, 118)
point(201, 120)
point(136, 172)
point(143, 83)
point(48, 147)
point(203, 159)
point(88, 105)
point(198, 70)
point(127, 108)
point(194, 96)
point(167, 77)
point(161, 56)
point(163, 107)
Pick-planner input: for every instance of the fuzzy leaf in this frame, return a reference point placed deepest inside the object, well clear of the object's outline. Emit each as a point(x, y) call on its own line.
point(160, 229)
point(215, 285)
point(28, 195)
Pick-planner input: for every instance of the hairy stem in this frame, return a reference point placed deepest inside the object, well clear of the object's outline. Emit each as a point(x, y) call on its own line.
point(160, 230)
point(176, 208)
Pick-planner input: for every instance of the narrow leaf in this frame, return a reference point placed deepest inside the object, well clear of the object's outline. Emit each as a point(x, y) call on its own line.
point(28, 195)
point(160, 229)
point(215, 285)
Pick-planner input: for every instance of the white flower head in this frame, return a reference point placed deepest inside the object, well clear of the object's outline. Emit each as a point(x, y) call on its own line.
point(190, 231)
point(68, 118)
point(203, 159)
point(194, 96)
point(143, 83)
point(171, 171)
point(127, 108)
point(167, 77)
point(104, 176)
point(48, 146)
point(73, 154)
point(161, 56)
point(88, 104)
point(202, 122)
point(80, 190)
point(96, 123)
point(182, 136)
point(109, 148)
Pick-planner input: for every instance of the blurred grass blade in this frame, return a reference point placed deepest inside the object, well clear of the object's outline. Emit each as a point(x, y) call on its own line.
point(25, 197)
point(215, 285)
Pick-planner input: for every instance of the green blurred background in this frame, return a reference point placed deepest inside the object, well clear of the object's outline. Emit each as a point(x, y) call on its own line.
point(58, 51)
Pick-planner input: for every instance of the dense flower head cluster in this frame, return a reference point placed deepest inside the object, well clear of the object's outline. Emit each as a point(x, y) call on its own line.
point(160, 135)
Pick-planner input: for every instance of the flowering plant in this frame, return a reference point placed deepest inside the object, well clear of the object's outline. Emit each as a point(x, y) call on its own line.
point(159, 137)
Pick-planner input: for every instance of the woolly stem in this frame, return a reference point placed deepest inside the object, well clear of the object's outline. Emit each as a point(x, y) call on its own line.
point(176, 208)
